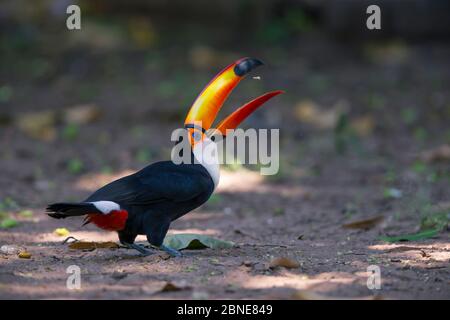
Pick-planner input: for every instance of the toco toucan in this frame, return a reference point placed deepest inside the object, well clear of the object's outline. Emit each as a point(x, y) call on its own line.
point(146, 202)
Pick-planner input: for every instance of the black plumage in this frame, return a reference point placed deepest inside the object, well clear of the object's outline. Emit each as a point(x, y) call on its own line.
point(153, 198)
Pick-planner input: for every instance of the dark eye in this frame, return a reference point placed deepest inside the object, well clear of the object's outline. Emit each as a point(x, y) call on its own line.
point(196, 136)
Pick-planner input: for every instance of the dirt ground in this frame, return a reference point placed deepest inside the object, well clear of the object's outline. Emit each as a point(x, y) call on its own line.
point(328, 177)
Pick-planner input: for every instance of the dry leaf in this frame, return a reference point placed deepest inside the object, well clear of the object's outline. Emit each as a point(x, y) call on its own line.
point(38, 125)
point(25, 255)
point(82, 114)
point(439, 154)
point(365, 224)
point(171, 287)
point(283, 262)
point(83, 245)
point(310, 112)
point(363, 125)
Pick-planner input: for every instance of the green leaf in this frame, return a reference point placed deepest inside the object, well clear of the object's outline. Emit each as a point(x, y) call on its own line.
point(412, 237)
point(26, 213)
point(8, 223)
point(195, 241)
point(75, 166)
point(70, 132)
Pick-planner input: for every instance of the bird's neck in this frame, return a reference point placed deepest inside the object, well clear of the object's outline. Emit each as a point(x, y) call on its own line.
point(206, 154)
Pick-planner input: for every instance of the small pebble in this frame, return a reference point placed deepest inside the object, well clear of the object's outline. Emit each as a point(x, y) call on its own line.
point(10, 249)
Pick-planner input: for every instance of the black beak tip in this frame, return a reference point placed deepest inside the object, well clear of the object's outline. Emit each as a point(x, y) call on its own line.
point(246, 65)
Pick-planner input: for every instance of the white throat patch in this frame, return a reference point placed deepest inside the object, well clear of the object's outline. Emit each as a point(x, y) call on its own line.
point(206, 153)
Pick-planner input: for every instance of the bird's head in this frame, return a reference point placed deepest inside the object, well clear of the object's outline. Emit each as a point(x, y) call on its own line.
point(207, 105)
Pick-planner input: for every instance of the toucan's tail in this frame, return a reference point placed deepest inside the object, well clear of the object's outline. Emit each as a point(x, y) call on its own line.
point(71, 209)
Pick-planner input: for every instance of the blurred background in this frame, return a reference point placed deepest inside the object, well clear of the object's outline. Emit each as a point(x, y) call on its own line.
point(364, 110)
point(364, 128)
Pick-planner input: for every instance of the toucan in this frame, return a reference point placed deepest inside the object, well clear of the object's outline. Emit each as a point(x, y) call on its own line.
point(146, 202)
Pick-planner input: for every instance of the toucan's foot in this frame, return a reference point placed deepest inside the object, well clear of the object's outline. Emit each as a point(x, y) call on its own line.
point(171, 251)
point(140, 248)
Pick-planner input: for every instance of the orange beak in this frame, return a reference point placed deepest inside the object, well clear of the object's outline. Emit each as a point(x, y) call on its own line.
point(207, 105)
point(234, 119)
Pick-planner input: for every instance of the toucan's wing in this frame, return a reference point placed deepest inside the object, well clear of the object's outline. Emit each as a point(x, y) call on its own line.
point(173, 182)
point(157, 182)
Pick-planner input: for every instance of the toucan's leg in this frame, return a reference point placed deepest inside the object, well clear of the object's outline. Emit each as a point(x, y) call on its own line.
point(171, 251)
point(156, 234)
point(127, 239)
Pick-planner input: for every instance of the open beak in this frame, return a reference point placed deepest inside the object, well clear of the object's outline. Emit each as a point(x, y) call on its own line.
point(233, 120)
point(207, 105)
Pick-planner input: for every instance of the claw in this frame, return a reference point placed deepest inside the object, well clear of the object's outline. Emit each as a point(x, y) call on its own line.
point(171, 251)
point(139, 248)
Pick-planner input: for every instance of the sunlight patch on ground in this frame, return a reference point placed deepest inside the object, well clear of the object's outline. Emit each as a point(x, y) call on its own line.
point(100, 236)
point(292, 281)
point(435, 252)
point(80, 235)
point(390, 247)
point(209, 232)
point(242, 180)
point(195, 216)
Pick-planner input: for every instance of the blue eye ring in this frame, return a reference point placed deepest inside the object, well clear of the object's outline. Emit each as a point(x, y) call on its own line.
point(196, 136)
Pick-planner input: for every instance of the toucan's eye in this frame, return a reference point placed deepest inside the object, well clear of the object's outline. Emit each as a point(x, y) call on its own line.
point(196, 136)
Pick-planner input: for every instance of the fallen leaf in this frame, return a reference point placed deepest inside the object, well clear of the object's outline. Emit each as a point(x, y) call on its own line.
point(171, 287)
point(439, 154)
point(424, 254)
point(283, 262)
point(365, 224)
point(62, 232)
point(24, 255)
point(9, 223)
point(195, 241)
point(38, 125)
point(82, 114)
point(84, 245)
point(411, 237)
point(363, 125)
point(308, 111)
point(26, 213)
